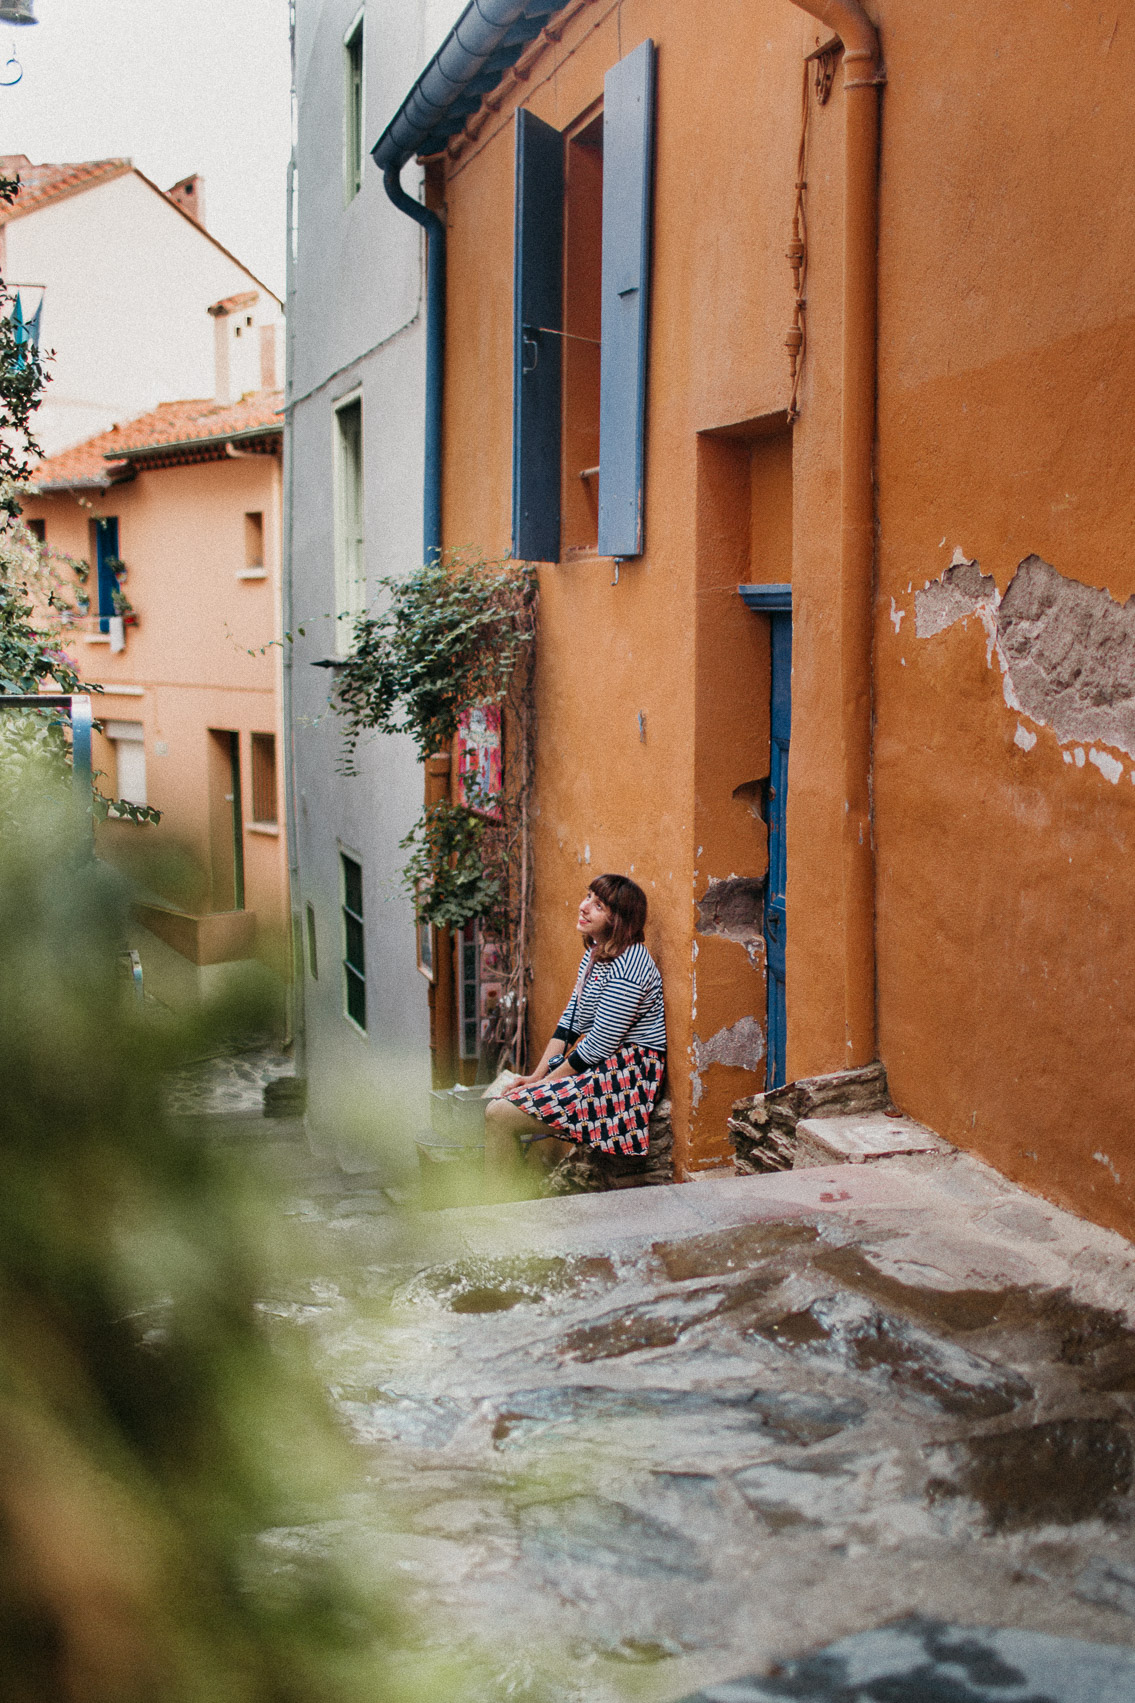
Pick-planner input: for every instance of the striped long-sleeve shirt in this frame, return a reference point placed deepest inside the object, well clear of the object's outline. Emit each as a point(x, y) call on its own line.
point(620, 1004)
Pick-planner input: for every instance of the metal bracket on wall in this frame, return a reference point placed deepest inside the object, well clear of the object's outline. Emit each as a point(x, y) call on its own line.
point(826, 58)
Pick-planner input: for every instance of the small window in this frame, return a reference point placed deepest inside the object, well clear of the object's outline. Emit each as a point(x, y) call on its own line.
point(264, 779)
point(129, 741)
point(353, 121)
point(312, 949)
point(354, 941)
point(350, 560)
point(254, 540)
point(38, 530)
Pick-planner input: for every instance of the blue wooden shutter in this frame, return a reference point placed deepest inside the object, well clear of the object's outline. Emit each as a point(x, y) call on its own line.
point(537, 381)
point(106, 552)
point(628, 131)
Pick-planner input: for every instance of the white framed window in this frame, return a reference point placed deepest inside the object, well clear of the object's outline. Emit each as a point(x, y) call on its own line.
point(129, 741)
point(354, 110)
point(350, 556)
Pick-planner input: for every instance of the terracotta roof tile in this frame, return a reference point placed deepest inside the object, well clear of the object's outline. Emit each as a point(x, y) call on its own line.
point(247, 298)
point(41, 184)
point(172, 425)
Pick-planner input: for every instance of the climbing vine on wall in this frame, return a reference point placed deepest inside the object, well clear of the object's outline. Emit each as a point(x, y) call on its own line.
point(456, 634)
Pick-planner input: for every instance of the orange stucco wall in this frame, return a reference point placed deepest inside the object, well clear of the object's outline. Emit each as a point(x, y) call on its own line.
point(202, 655)
point(1006, 1010)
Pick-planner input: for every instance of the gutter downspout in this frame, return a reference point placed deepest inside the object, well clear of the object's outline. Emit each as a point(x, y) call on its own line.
point(435, 354)
point(862, 79)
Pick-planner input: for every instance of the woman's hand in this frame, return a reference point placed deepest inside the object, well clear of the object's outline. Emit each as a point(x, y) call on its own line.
point(527, 1081)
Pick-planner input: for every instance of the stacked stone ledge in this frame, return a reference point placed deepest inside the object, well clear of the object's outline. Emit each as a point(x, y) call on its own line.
point(763, 1127)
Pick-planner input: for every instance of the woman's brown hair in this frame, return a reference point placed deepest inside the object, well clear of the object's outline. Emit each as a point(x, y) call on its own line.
point(626, 902)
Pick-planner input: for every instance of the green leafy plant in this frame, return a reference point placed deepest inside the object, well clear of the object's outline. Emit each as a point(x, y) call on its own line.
point(458, 633)
point(452, 875)
point(450, 636)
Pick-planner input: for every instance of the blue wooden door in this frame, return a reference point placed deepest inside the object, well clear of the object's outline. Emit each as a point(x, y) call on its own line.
point(775, 919)
point(775, 601)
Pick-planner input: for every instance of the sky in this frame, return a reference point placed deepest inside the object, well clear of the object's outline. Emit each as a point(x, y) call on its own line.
point(179, 86)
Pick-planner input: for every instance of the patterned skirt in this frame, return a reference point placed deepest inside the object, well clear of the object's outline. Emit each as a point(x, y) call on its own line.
point(608, 1107)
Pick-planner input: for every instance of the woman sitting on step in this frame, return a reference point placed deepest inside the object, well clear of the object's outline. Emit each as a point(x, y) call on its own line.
point(600, 1073)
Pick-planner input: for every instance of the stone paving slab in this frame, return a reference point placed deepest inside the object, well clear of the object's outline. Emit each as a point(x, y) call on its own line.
point(927, 1661)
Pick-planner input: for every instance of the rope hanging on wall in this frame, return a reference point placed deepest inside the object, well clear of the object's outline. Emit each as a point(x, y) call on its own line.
point(797, 254)
point(824, 59)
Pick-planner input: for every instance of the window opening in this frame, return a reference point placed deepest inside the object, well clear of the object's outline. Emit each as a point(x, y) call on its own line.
point(350, 565)
point(129, 741)
point(38, 530)
point(105, 551)
point(312, 948)
point(264, 807)
point(353, 126)
point(583, 283)
point(354, 941)
point(254, 540)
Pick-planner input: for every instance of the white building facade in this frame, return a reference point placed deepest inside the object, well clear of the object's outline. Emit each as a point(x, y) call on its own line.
point(353, 499)
point(120, 280)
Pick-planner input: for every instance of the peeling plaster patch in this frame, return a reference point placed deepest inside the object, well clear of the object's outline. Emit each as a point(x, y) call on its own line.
point(1070, 650)
point(734, 909)
point(1102, 1159)
point(1024, 738)
point(897, 615)
point(742, 1047)
point(1066, 650)
point(1109, 767)
point(963, 590)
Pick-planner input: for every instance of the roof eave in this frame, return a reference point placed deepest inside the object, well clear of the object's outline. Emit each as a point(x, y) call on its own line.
point(483, 45)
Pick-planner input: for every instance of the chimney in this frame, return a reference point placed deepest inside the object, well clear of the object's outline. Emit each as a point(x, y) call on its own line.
point(189, 195)
point(234, 346)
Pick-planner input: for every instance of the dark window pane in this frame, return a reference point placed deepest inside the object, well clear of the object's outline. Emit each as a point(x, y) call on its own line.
point(353, 886)
point(356, 949)
point(356, 999)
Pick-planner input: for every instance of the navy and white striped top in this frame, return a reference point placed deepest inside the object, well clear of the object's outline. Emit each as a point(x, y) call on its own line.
point(619, 1005)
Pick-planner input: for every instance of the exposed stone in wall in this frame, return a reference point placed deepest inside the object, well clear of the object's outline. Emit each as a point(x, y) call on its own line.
point(763, 1127)
point(1066, 650)
point(587, 1172)
point(1071, 654)
point(741, 1046)
point(735, 909)
point(962, 589)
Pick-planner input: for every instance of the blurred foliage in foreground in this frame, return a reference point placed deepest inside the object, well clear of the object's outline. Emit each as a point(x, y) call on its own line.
point(150, 1434)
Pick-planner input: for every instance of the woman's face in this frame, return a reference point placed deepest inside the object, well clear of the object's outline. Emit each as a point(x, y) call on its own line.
point(595, 920)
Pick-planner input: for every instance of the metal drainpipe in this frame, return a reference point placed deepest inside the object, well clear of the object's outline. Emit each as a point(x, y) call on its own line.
point(862, 79)
point(435, 354)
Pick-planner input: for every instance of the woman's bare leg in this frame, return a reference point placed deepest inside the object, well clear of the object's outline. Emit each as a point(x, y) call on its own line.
point(507, 1162)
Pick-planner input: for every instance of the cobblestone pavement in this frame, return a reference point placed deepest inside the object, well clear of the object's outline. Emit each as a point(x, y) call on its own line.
point(636, 1445)
point(229, 1085)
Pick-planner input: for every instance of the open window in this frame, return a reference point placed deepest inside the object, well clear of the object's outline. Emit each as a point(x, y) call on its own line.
point(582, 277)
point(353, 111)
point(350, 562)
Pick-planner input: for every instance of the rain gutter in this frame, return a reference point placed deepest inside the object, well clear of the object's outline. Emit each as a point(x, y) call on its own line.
point(863, 77)
point(488, 37)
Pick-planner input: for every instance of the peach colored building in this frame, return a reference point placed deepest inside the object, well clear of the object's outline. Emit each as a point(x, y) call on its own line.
point(178, 515)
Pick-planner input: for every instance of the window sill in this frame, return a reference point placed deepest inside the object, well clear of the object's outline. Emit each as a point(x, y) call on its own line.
point(251, 574)
point(264, 828)
point(96, 638)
